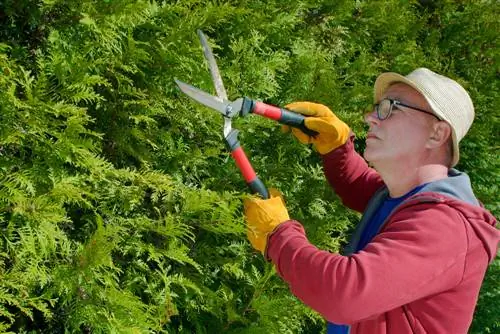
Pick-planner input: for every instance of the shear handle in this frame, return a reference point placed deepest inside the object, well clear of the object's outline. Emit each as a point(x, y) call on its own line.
point(281, 115)
point(244, 165)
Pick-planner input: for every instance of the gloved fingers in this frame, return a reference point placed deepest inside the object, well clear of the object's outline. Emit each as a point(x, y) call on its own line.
point(301, 136)
point(320, 125)
point(255, 200)
point(300, 107)
point(285, 128)
point(275, 193)
point(264, 214)
point(260, 206)
point(255, 209)
point(309, 109)
point(258, 240)
point(250, 203)
point(262, 217)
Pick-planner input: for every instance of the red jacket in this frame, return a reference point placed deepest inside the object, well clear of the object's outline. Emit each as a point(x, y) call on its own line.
point(420, 274)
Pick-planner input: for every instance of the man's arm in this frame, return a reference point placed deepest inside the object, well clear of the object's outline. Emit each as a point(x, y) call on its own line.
point(346, 170)
point(408, 260)
point(349, 175)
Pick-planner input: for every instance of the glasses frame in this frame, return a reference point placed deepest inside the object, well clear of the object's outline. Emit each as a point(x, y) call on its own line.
point(397, 103)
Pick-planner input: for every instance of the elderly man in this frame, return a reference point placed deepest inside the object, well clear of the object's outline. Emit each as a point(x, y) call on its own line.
point(416, 260)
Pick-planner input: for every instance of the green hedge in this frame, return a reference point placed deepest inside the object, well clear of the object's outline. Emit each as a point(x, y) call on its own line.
point(120, 206)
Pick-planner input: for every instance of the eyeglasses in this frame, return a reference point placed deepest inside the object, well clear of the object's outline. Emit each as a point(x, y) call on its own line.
point(385, 106)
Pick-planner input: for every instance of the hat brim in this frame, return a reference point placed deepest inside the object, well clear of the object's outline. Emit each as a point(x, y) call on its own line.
point(385, 80)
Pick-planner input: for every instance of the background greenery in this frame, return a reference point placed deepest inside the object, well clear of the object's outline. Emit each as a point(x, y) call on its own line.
point(120, 206)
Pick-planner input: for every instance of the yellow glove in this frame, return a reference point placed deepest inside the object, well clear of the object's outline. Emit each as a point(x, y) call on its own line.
point(263, 216)
point(332, 132)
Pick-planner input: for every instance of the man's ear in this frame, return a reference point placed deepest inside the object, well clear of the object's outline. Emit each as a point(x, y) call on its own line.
point(440, 133)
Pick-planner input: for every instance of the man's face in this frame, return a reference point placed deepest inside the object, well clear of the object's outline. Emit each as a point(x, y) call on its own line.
point(401, 138)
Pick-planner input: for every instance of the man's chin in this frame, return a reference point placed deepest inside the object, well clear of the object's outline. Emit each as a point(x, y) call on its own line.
point(371, 158)
point(368, 155)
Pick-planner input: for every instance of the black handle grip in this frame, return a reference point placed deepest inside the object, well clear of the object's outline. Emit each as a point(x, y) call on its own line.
point(258, 187)
point(281, 115)
point(297, 121)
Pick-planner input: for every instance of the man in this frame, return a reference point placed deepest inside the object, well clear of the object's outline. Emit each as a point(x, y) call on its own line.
point(417, 258)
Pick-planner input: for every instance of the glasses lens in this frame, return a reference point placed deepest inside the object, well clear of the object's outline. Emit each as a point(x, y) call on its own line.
point(384, 109)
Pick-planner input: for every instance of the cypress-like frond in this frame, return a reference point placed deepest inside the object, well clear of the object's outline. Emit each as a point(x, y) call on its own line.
point(120, 206)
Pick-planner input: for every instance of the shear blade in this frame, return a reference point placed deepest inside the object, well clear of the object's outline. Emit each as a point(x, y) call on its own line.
point(212, 65)
point(204, 98)
point(226, 108)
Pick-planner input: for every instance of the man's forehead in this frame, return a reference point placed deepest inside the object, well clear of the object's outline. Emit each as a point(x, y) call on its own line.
point(404, 93)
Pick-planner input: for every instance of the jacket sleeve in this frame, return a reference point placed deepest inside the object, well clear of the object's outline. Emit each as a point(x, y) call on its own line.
point(349, 175)
point(414, 256)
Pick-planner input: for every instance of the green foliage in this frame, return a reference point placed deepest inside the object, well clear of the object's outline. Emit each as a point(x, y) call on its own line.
point(120, 206)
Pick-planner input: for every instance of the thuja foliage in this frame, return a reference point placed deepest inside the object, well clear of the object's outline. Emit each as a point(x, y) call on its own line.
point(120, 206)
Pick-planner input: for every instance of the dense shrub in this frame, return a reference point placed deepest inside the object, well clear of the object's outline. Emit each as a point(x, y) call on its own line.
point(120, 207)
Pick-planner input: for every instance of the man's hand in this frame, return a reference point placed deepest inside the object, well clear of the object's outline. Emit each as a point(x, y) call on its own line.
point(332, 132)
point(263, 216)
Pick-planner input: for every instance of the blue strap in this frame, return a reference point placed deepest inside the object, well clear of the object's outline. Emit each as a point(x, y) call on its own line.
point(336, 329)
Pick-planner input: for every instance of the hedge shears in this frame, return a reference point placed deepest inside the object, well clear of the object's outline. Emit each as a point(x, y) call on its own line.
point(239, 107)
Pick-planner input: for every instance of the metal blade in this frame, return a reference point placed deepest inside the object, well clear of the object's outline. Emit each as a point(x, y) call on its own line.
point(212, 64)
point(204, 98)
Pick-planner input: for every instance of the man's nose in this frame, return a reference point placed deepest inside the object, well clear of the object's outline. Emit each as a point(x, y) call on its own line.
point(371, 118)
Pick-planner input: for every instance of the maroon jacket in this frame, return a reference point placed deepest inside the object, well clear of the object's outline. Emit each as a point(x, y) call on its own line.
point(420, 274)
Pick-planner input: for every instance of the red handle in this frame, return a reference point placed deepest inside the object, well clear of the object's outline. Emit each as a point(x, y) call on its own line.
point(283, 116)
point(266, 110)
point(244, 164)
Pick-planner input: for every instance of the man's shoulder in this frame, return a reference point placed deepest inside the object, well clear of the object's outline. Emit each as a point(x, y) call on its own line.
point(433, 202)
point(457, 185)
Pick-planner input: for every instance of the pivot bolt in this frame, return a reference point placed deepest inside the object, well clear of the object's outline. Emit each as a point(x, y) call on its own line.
point(229, 109)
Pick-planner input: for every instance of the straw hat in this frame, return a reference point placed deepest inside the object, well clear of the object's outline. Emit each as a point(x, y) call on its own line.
point(448, 100)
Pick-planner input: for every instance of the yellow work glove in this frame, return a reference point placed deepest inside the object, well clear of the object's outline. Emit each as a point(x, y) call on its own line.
point(263, 216)
point(332, 132)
